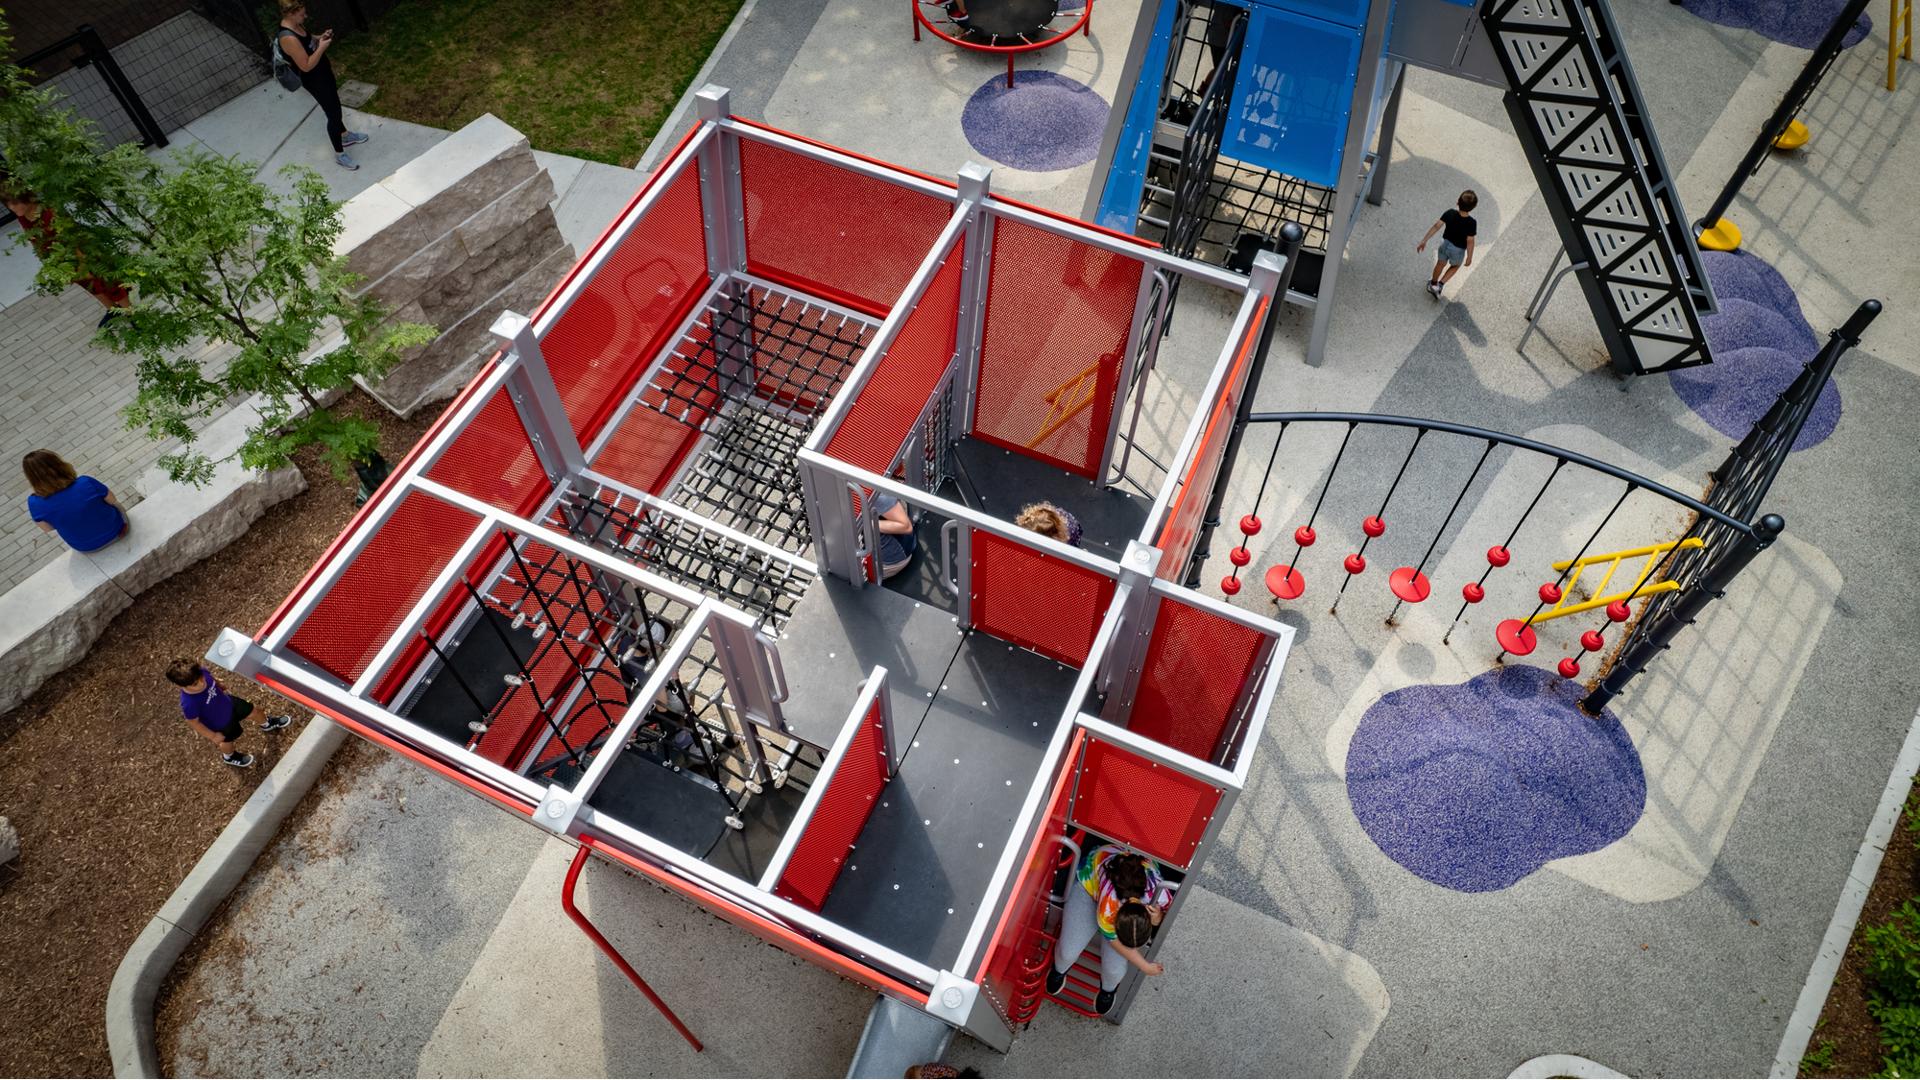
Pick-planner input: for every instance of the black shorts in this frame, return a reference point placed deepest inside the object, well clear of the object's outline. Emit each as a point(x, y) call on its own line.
point(242, 708)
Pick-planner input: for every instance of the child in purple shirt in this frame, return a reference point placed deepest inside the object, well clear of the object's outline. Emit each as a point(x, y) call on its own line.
point(214, 713)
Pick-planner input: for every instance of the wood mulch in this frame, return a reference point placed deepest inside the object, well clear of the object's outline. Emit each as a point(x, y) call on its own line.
point(1846, 1042)
point(114, 798)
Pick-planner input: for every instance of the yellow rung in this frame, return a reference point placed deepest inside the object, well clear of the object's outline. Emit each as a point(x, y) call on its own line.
point(1634, 553)
point(1899, 38)
point(1558, 610)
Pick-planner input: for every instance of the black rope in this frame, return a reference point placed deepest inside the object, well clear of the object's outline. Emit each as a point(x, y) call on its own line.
point(1444, 522)
point(1381, 513)
point(1558, 464)
point(1571, 563)
point(1314, 514)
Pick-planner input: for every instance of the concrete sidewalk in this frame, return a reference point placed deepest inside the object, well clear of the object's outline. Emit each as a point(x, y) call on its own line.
point(65, 394)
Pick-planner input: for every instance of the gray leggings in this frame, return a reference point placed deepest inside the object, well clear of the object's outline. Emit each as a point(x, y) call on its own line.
point(1077, 928)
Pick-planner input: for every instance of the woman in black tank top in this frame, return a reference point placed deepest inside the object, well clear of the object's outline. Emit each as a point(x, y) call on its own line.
point(308, 55)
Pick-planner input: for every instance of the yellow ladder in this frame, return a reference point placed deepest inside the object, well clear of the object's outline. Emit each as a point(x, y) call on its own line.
point(1899, 38)
point(1565, 605)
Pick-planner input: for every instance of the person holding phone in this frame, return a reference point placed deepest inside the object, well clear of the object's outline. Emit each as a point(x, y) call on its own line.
point(308, 55)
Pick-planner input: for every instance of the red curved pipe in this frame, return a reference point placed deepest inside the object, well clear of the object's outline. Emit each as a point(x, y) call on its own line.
point(580, 857)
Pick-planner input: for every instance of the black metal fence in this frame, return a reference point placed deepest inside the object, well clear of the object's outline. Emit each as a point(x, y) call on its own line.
point(139, 71)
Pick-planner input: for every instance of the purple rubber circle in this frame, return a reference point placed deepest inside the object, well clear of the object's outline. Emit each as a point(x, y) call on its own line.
point(1760, 341)
point(1476, 785)
point(1045, 123)
point(1801, 23)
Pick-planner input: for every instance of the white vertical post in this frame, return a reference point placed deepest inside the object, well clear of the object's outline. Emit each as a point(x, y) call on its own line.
point(1126, 656)
point(1349, 187)
point(530, 385)
point(976, 268)
point(749, 683)
point(1141, 305)
point(724, 221)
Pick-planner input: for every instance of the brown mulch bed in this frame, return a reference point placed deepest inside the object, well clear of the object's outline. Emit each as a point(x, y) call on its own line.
point(1846, 1027)
point(114, 798)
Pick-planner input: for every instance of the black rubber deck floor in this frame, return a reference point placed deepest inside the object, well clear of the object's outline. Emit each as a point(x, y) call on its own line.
point(481, 661)
point(838, 634)
point(920, 868)
point(1002, 482)
point(673, 807)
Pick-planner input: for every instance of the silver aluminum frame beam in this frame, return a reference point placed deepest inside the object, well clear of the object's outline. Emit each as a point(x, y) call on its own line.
point(1182, 460)
point(871, 690)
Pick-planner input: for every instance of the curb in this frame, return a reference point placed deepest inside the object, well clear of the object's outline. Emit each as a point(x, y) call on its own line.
point(663, 140)
point(1846, 913)
point(137, 981)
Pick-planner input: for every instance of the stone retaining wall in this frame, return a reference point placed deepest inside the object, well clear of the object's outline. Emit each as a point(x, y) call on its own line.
point(453, 238)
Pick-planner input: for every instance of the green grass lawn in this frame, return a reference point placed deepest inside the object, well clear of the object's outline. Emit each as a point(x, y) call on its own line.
point(593, 80)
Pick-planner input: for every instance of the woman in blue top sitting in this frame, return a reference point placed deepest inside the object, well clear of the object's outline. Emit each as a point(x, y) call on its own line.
point(79, 508)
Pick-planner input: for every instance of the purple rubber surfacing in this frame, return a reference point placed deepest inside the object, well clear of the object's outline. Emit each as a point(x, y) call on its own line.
point(1474, 786)
point(1045, 123)
point(1800, 23)
point(1760, 342)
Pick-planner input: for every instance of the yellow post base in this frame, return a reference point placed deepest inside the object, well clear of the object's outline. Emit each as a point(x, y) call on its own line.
point(1724, 236)
point(1794, 137)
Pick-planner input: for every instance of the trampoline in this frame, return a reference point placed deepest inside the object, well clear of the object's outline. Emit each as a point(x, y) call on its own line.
point(1008, 27)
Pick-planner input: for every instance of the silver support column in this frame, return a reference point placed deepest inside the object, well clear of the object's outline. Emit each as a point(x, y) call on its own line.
point(1127, 656)
point(530, 385)
point(976, 268)
point(1389, 119)
point(749, 682)
point(1347, 193)
point(723, 213)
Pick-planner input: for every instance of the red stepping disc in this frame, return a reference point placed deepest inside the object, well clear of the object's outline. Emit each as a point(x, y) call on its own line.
point(1285, 582)
point(1373, 526)
point(1498, 555)
point(1569, 668)
point(1230, 585)
point(1304, 536)
point(1239, 556)
point(1409, 584)
point(1550, 593)
point(1618, 611)
point(1592, 641)
point(1355, 563)
point(1472, 593)
point(1516, 637)
point(1250, 525)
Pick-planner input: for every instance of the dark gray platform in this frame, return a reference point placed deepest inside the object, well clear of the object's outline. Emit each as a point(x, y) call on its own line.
point(1001, 482)
point(838, 634)
point(672, 806)
point(476, 668)
point(921, 866)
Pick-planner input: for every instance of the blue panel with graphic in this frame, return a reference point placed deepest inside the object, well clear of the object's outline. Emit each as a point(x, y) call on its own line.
point(1347, 12)
point(1295, 90)
point(1120, 195)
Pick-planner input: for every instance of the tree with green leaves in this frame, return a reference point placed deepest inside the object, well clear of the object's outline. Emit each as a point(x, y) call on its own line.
point(214, 257)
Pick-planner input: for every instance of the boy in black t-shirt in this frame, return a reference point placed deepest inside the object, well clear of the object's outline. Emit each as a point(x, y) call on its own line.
point(1456, 246)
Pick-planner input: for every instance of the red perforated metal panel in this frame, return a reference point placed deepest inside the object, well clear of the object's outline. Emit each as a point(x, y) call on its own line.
point(838, 234)
point(1053, 346)
point(1182, 526)
point(603, 342)
point(851, 793)
point(1156, 809)
point(1020, 948)
point(1196, 670)
point(888, 406)
point(365, 606)
point(1032, 599)
point(492, 459)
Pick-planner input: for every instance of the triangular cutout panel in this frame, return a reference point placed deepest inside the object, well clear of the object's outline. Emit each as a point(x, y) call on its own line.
point(1583, 184)
point(1622, 208)
point(1609, 244)
point(1570, 77)
point(1632, 299)
point(1669, 319)
point(1594, 144)
point(1557, 118)
point(1530, 52)
point(1536, 13)
point(1647, 264)
point(1654, 352)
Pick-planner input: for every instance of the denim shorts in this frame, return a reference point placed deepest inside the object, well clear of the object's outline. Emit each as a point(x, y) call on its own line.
point(1452, 253)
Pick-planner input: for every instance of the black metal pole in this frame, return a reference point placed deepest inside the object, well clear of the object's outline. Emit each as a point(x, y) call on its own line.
point(1291, 237)
point(1784, 113)
point(101, 57)
point(1711, 586)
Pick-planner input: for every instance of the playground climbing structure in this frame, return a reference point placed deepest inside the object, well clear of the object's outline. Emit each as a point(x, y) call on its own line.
point(627, 585)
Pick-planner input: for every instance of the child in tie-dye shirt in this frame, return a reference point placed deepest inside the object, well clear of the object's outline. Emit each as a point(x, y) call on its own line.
point(1122, 897)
